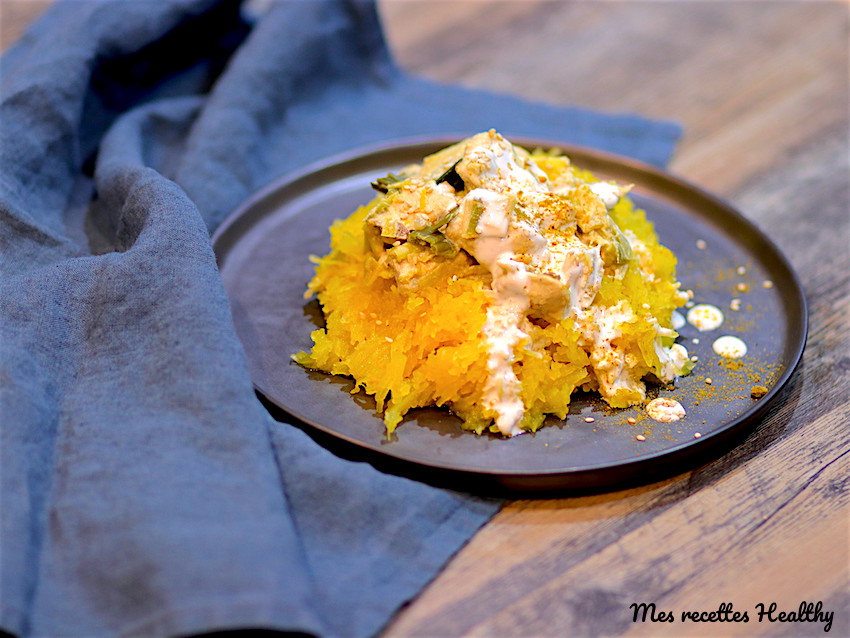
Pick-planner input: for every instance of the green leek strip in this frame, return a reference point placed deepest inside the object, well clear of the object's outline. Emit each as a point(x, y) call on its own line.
point(451, 176)
point(624, 248)
point(383, 184)
point(430, 236)
point(474, 216)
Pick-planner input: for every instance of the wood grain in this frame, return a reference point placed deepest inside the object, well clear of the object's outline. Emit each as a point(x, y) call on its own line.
point(16, 16)
point(762, 90)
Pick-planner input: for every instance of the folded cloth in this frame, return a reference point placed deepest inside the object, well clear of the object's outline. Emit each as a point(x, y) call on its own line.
point(145, 490)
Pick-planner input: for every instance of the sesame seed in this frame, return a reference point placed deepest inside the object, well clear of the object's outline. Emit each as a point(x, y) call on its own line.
point(589, 419)
point(708, 380)
point(741, 270)
point(640, 437)
point(735, 304)
point(389, 339)
point(700, 244)
point(631, 420)
point(767, 283)
point(742, 287)
point(697, 435)
point(695, 340)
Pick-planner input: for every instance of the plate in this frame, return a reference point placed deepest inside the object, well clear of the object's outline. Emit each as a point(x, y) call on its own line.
point(263, 250)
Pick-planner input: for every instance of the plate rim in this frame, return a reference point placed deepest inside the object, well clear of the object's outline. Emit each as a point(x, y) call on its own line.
point(519, 478)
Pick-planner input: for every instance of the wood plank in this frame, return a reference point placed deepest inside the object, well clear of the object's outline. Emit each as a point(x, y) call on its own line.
point(785, 514)
point(769, 521)
point(16, 16)
point(728, 71)
point(762, 90)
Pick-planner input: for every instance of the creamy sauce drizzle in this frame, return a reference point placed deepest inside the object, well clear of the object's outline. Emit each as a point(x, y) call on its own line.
point(530, 269)
point(538, 266)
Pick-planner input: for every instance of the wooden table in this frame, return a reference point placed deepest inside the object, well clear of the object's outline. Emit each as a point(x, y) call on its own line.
point(762, 90)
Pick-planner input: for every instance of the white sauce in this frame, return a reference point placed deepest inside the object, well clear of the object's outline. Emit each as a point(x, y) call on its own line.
point(730, 347)
point(600, 328)
point(608, 194)
point(665, 410)
point(498, 241)
point(502, 392)
point(672, 360)
point(581, 271)
point(496, 165)
point(528, 269)
point(534, 268)
point(494, 220)
point(705, 317)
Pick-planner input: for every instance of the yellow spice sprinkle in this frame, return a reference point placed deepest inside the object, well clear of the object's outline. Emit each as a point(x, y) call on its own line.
point(758, 391)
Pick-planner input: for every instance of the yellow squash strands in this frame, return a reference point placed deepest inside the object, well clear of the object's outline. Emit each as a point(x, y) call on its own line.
point(496, 282)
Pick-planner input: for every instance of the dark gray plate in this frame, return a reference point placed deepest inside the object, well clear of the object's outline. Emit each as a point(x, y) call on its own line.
point(263, 250)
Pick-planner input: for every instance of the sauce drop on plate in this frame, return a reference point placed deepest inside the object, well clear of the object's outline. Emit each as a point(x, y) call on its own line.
point(665, 410)
point(705, 317)
point(729, 347)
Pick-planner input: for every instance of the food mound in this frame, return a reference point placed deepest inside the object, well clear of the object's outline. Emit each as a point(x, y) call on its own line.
point(496, 282)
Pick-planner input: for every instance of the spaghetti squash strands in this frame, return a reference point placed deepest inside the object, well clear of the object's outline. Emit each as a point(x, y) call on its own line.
point(496, 282)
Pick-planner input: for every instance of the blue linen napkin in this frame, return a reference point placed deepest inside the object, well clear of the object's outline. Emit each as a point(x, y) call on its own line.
point(145, 490)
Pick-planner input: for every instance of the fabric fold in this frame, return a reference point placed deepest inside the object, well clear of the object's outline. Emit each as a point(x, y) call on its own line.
point(145, 490)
